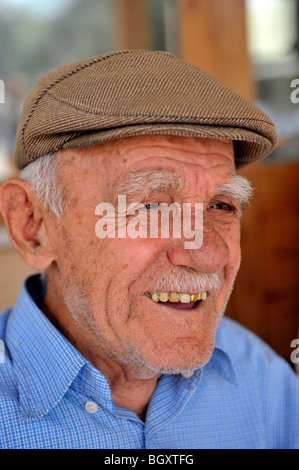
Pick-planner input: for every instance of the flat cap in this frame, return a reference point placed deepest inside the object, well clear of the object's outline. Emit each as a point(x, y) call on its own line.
point(136, 92)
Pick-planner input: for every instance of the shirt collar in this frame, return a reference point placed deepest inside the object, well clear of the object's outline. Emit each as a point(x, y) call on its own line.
point(45, 362)
point(222, 361)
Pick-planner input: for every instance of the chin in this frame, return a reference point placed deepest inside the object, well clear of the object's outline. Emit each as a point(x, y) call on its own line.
point(179, 361)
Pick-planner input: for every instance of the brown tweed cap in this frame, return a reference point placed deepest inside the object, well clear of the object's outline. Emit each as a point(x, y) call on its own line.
point(129, 93)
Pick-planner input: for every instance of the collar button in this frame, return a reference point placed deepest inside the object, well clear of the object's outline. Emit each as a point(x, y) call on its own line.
point(91, 407)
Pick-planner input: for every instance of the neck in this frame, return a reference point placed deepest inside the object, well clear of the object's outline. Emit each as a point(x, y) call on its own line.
point(133, 394)
point(128, 391)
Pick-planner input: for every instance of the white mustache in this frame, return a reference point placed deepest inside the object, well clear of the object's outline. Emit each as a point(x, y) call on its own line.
point(186, 281)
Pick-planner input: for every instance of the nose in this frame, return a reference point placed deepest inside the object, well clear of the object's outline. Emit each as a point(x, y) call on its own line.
point(211, 256)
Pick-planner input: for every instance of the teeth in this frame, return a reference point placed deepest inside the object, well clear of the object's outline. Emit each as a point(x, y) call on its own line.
point(195, 297)
point(184, 298)
point(155, 297)
point(174, 297)
point(163, 297)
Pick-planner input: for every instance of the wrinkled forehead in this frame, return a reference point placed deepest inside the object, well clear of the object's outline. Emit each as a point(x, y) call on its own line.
point(110, 166)
point(139, 167)
point(127, 152)
point(182, 143)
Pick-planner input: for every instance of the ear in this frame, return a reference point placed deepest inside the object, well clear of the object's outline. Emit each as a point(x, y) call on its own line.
point(24, 216)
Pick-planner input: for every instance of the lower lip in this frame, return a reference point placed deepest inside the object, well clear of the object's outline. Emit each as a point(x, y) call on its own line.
point(179, 305)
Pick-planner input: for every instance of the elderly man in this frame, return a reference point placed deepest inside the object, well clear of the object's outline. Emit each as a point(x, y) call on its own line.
point(120, 342)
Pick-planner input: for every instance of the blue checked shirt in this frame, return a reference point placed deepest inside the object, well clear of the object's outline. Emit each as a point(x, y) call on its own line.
point(52, 397)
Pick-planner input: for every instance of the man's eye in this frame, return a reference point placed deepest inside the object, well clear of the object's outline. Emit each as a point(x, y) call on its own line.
point(222, 206)
point(152, 205)
point(135, 207)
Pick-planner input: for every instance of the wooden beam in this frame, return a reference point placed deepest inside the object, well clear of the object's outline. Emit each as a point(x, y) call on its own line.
point(212, 35)
point(133, 21)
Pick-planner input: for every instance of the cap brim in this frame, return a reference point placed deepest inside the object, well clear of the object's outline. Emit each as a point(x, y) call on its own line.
point(249, 146)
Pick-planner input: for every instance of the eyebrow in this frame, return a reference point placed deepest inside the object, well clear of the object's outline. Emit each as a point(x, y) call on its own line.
point(149, 182)
point(237, 187)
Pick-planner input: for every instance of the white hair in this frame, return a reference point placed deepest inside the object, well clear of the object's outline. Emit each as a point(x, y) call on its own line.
point(236, 186)
point(42, 174)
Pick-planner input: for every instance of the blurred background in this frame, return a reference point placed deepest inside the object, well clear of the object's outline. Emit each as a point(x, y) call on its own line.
point(252, 46)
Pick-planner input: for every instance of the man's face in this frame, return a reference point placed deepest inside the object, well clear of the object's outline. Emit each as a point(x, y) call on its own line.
point(105, 283)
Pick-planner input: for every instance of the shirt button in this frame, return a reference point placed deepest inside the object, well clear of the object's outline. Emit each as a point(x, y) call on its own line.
point(91, 407)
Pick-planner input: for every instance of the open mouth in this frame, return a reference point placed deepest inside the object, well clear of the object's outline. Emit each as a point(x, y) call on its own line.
point(178, 300)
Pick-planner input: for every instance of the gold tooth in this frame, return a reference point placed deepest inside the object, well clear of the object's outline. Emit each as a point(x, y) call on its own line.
point(196, 297)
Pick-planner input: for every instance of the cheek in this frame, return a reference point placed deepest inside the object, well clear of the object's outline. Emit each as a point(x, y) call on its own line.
point(77, 249)
point(110, 267)
point(233, 264)
point(132, 257)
